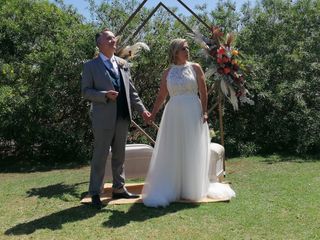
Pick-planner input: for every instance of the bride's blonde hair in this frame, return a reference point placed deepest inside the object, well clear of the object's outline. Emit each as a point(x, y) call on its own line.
point(175, 46)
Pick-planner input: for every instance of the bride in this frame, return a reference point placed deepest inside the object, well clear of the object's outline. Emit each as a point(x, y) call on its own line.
point(179, 167)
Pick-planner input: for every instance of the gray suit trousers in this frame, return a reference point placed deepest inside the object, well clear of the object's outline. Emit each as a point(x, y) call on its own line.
point(115, 138)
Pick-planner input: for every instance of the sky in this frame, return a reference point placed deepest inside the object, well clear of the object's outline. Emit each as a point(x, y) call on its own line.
point(82, 5)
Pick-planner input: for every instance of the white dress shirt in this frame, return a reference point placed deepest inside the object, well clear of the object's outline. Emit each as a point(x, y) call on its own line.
point(112, 60)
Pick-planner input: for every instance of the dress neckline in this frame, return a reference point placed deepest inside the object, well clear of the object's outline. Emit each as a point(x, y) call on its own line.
point(180, 65)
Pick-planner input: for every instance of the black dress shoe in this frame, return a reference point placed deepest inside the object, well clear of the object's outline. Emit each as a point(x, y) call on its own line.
point(96, 202)
point(124, 194)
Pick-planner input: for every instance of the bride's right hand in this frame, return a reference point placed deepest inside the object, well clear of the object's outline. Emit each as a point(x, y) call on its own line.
point(150, 119)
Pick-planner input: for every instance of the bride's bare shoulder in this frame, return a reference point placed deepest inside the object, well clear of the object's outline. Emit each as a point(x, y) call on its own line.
point(195, 65)
point(165, 72)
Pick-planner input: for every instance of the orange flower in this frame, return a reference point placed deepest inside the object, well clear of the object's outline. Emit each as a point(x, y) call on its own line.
point(235, 52)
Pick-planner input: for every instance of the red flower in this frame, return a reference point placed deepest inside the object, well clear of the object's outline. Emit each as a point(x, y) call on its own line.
point(221, 50)
point(226, 70)
point(219, 60)
point(225, 59)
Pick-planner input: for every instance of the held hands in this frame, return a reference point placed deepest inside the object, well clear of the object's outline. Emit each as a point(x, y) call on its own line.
point(146, 115)
point(111, 95)
point(205, 117)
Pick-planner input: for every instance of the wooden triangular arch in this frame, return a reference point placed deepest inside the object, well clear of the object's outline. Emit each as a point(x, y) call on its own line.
point(160, 4)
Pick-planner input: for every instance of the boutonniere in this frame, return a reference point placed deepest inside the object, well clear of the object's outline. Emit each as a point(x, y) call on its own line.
point(123, 64)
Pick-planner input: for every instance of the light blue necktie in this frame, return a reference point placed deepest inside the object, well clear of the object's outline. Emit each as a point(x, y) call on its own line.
point(114, 75)
point(110, 67)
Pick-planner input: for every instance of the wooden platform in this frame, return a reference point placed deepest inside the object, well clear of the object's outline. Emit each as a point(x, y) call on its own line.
point(137, 188)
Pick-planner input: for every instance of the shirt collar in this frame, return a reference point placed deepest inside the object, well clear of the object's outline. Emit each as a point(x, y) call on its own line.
point(104, 58)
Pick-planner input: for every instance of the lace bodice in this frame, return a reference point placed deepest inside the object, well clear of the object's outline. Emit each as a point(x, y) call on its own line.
point(181, 80)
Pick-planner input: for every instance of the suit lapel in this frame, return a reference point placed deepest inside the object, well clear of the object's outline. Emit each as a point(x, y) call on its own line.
point(124, 74)
point(104, 71)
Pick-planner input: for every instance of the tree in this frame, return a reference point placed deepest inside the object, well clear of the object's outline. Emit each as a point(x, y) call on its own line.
point(42, 48)
point(281, 39)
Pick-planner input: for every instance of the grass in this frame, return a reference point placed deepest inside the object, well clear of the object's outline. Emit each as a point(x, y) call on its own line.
point(277, 198)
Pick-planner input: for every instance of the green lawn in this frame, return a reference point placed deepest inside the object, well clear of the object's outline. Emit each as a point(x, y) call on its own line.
point(277, 198)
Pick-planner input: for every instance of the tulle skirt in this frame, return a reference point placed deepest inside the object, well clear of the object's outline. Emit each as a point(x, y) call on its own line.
point(179, 166)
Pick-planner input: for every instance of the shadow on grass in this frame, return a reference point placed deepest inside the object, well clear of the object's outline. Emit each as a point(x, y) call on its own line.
point(136, 213)
point(55, 220)
point(139, 213)
point(56, 191)
point(279, 158)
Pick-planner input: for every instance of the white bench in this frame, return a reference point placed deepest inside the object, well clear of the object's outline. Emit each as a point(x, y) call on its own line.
point(138, 157)
point(137, 161)
point(216, 162)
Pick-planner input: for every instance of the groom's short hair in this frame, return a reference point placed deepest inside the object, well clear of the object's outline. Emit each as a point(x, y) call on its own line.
point(99, 34)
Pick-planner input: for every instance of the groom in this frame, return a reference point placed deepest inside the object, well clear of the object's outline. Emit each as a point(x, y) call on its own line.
point(106, 82)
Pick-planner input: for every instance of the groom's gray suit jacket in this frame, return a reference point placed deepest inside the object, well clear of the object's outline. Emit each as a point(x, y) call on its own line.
point(96, 81)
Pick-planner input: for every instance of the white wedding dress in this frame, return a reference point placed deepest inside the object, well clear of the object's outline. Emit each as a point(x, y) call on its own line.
point(179, 167)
